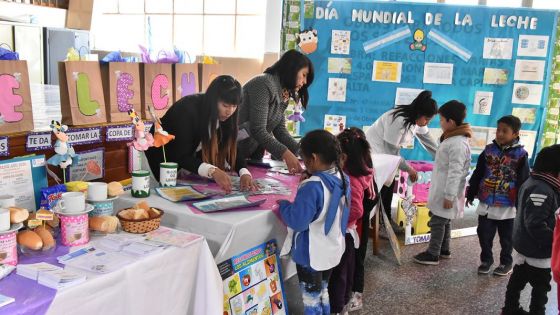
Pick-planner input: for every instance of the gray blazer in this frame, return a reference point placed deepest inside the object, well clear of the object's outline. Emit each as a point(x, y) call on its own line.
point(261, 118)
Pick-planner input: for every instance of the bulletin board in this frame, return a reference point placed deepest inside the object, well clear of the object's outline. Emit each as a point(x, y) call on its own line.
point(497, 61)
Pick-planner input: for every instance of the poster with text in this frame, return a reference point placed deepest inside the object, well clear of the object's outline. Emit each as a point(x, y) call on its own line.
point(23, 178)
point(91, 166)
point(252, 282)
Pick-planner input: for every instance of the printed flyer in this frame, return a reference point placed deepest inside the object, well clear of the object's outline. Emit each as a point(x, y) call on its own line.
point(253, 282)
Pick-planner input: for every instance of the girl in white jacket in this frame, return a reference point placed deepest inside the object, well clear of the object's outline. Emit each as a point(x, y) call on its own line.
point(447, 190)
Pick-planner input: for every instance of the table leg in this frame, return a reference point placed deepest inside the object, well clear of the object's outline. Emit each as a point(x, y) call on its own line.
point(375, 233)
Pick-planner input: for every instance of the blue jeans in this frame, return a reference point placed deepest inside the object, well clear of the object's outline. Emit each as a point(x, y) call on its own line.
point(314, 290)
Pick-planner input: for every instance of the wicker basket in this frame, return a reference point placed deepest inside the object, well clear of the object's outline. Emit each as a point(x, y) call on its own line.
point(140, 226)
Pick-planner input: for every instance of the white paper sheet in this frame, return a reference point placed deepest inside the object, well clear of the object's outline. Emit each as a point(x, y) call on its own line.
point(337, 90)
point(532, 46)
point(483, 102)
point(340, 42)
point(438, 73)
point(405, 96)
point(497, 48)
point(529, 70)
point(524, 93)
point(16, 180)
point(528, 138)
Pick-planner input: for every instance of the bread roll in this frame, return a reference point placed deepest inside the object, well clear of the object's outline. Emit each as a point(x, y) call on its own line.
point(140, 214)
point(114, 189)
point(134, 214)
point(46, 237)
point(107, 224)
point(18, 215)
point(30, 240)
point(142, 205)
point(153, 213)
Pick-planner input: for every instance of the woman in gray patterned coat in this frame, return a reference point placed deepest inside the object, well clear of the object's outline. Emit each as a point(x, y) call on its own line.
point(262, 125)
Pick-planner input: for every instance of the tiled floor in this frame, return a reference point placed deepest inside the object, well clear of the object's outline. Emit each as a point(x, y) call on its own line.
point(453, 287)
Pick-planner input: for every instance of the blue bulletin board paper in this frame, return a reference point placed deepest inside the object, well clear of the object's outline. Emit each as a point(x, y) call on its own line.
point(450, 34)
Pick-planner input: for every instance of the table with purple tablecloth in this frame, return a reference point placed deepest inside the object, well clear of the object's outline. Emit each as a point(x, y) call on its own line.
point(173, 281)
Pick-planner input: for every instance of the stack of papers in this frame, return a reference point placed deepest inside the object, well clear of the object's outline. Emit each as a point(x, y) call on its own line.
point(5, 300)
point(116, 242)
point(142, 248)
point(181, 193)
point(100, 261)
point(171, 237)
point(32, 271)
point(61, 279)
point(226, 203)
point(95, 259)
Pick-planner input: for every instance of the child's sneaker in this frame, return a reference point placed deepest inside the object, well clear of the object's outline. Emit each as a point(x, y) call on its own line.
point(355, 303)
point(445, 254)
point(426, 258)
point(484, 268)
point(503, 270)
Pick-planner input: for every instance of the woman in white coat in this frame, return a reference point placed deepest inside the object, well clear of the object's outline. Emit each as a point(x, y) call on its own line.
point(396, 128)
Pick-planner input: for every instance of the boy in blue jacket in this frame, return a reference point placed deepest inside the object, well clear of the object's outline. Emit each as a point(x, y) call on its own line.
point(501, 169)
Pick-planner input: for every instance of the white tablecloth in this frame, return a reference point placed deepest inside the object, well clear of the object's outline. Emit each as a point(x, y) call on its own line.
point(228, 233)
point(175, 281)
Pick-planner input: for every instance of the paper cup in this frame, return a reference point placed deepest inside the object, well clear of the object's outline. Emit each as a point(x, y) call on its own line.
point(97, 191)
point(140, 184)
point(7, 201)
point(8, 249)
point(168, 174)
point(72, 202)
point(74, 229)
point(4, 219)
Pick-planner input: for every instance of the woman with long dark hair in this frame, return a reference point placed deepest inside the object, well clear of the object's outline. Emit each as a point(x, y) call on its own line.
point(396, 128)
point(262, 125)
point(205, 129)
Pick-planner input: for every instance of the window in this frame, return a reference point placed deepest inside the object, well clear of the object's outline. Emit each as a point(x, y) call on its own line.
point(462, 2)
point(546, 4)
point(504, 3)
point(232, 28)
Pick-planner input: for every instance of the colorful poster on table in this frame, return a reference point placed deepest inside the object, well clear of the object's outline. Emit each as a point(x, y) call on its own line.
point(253, 282)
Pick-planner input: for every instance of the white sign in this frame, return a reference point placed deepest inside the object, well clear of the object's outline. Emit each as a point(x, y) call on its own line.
point(340, 42)
point(497, 48)
point(84, 136)
point(405, 96)
point(4, 146)
point(528, 138)
point(529, 70)
point(119, 133)
point(483, 102)
point(337, 90)
point(438, 73)
point(524, 93)
point(532, 46)
point(38, 141)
